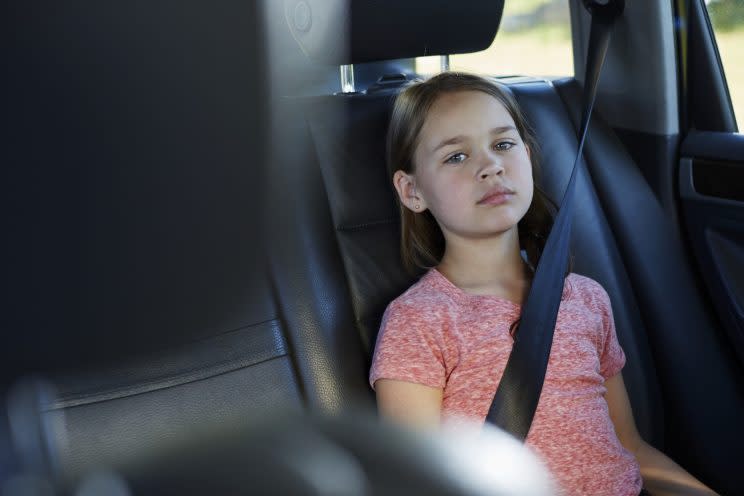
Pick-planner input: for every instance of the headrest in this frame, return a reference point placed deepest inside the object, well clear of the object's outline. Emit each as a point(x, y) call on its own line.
point(357, 31)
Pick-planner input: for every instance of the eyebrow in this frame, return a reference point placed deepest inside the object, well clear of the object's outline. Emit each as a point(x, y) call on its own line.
point(460, 138)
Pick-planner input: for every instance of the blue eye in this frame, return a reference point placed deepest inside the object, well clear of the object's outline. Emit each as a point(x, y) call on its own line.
point(456, 158)
point(504, 145)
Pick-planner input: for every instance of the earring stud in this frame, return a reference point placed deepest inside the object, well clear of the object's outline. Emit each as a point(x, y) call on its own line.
point(417, 206)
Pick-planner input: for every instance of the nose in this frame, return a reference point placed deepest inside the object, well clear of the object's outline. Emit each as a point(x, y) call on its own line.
point(490, 165)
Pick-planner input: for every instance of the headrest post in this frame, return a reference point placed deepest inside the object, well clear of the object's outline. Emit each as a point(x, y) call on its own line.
point(444, 65)
point(347, 78)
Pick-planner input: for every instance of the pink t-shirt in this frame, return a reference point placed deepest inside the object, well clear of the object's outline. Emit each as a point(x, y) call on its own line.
point(440, 336)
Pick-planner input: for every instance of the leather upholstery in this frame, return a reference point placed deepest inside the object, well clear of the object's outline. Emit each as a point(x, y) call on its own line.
point(144, 403)
point(357, 31)
point(138, 285)
point(351, 157)
point(692, 360)
point(307, 275)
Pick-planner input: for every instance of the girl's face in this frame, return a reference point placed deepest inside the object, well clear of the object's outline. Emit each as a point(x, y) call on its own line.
point(472, 169)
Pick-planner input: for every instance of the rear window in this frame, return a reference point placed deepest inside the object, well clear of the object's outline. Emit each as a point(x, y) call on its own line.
point(534, 39)
point(727, 19)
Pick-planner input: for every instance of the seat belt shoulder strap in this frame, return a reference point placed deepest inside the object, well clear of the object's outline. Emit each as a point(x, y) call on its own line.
point(516, 398)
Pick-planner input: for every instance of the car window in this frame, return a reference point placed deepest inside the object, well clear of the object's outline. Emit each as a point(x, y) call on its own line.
point(727, 19)
point(534, 39)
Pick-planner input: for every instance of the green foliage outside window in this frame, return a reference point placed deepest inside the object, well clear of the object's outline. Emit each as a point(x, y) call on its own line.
point(726, 15)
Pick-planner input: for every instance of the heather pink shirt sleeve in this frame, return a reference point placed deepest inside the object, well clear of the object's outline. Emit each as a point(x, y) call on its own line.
point(612, 357)
point(409, 346)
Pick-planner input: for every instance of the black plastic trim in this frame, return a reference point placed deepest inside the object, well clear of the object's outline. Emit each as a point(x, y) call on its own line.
point(719, 179)
point(715, 146)
point(709, 102)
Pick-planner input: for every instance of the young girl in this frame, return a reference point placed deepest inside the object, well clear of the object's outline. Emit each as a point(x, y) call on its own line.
point(462, 162)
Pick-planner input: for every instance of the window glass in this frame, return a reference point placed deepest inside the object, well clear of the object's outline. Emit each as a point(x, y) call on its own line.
point(534, 39)
point(727, 18)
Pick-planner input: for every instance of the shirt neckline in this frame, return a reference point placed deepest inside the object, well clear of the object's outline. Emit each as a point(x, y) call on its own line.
point(450, 288)
point(441, 281)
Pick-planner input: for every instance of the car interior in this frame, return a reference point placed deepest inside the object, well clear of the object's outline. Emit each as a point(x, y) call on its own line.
point(201, 236)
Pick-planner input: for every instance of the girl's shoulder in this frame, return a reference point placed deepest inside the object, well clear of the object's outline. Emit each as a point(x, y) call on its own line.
point(588, 290)
point(428, 293)
point(423, 306)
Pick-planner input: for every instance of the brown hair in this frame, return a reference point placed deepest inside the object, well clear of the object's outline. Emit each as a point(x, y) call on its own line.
point(422, 241)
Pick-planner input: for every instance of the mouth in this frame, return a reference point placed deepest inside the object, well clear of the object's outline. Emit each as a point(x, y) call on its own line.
point(496, 196)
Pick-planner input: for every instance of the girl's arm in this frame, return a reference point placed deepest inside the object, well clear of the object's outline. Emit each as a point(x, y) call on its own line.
point(661, 476)
point(414, 405)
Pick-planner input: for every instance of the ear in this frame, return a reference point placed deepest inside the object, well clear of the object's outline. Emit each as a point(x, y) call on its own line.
point(405, 185)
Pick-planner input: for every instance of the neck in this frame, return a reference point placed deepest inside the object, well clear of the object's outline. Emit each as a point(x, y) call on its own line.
point(486, 266)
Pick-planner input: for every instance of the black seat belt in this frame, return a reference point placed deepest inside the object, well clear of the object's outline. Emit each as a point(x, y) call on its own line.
point(517, 396)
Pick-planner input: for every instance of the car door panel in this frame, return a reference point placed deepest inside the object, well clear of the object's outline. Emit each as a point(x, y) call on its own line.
point(711, 189)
